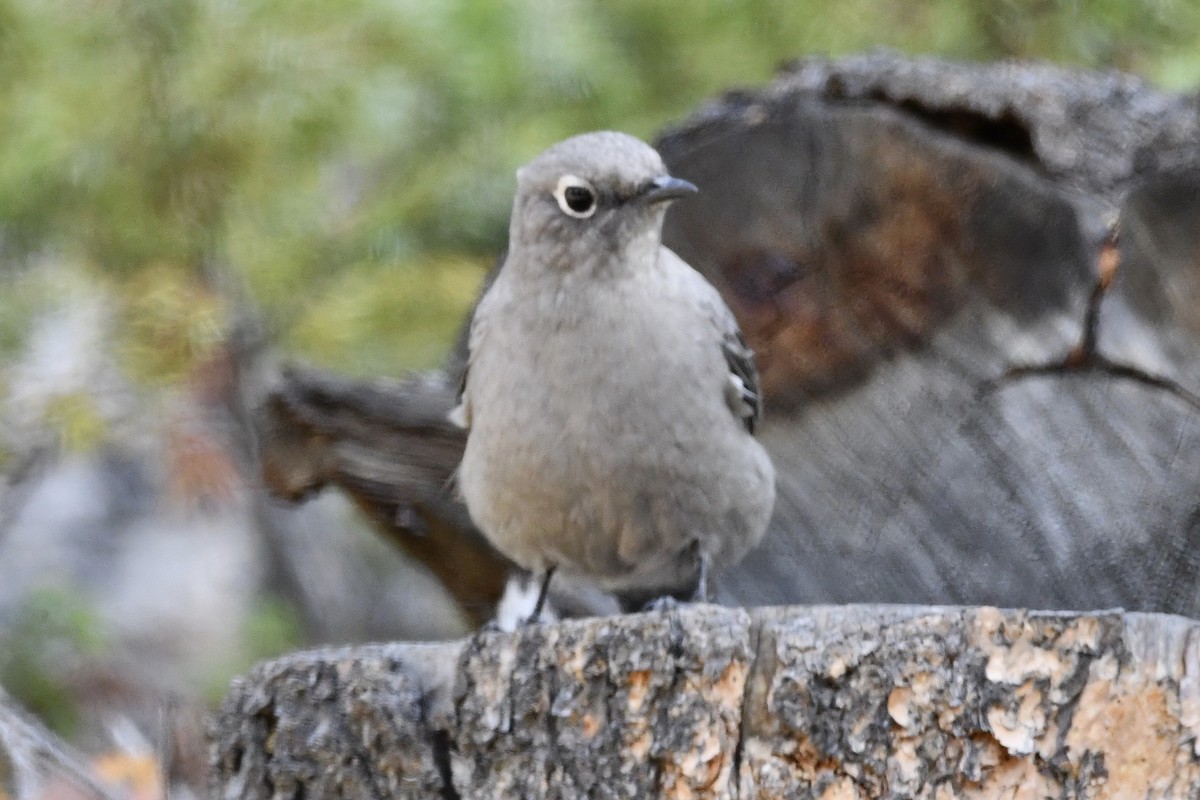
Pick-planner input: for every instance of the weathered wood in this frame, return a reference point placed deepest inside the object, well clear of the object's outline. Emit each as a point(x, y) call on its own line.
point(827, 702)
point(962, 407)
point(903, 240)
point(390, 446)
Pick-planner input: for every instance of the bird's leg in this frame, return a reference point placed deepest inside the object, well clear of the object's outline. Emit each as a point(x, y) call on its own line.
point(701, 593)
point(542, 592)
point(661, 605)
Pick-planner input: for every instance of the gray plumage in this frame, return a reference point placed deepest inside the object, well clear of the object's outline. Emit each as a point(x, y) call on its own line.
point(610, 398)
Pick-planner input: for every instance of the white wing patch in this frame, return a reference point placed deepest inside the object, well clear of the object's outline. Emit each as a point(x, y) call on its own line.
point(740, 398)
point(460, 415)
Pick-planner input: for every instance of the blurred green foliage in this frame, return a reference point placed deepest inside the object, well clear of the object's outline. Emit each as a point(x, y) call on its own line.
point(348, 165)
point(272, 627)
point(50, 651)
point(75, 416)
point(54, 633)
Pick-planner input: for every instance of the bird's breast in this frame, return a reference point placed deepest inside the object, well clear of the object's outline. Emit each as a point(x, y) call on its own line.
point(600, 437)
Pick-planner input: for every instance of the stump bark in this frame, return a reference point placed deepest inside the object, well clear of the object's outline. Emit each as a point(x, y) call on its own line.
point(710, 702)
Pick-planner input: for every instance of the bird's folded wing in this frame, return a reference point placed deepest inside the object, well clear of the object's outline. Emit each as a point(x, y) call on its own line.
point(742, 389)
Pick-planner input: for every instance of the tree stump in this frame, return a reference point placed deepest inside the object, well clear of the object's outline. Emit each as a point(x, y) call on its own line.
point(711, 702)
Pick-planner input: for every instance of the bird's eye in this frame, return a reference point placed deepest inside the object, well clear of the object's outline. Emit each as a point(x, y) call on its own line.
point(575, 197)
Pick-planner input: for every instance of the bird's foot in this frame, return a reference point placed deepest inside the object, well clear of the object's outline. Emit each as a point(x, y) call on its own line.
point(537, 618)
point(701, 594)
point(524, 602)
point(661, 605)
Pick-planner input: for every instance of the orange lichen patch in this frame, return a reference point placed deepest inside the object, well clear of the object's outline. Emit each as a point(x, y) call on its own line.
point(990, 752)
point(679, 791)
point(576, 663)
point(1012, 734)
point(702, 764)
point(705, 768)
point(1021, 727)
point(1012, 779)
point(807, 763)
point(639, 748)
point(842, 789)
point(706, 747)
point(727, 690)
point(837, 668)
point(905, 762)
point(923, 684)
point(1189, 693)
point(1083, 634)
point(702, 771)
point(772, 770)
point(589, 725)
point(947, 717)
point(898, 706)
point(639, 687)
point(1131, 723)
point(1022, 649)
point(1023, 659)
point(715, 766)
point(945, 792)
point(1046, 745)
point(918, 700)
point(986, 623)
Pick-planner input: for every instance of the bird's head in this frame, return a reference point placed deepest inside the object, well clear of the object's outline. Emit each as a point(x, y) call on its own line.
point(593, 201)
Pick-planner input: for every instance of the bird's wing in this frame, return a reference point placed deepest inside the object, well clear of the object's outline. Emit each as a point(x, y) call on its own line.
point(460, 415)
point(742, 391)
point(743, 394)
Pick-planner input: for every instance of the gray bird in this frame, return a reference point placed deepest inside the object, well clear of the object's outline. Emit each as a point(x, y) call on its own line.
point(610, 398)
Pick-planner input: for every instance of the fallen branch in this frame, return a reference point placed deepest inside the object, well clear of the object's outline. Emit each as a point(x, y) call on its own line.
point(40, 759)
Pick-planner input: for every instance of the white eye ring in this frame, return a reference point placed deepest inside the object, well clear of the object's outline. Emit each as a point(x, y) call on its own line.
point(575, 197)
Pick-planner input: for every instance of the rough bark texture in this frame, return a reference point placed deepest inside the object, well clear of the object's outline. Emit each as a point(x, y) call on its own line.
point(973, 293)
point(389, 445)
point(708, 702)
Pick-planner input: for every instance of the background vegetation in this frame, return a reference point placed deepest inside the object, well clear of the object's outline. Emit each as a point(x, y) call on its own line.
point(347, 166)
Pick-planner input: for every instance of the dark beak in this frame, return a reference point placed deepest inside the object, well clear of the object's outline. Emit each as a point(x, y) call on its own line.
point(665, 188)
